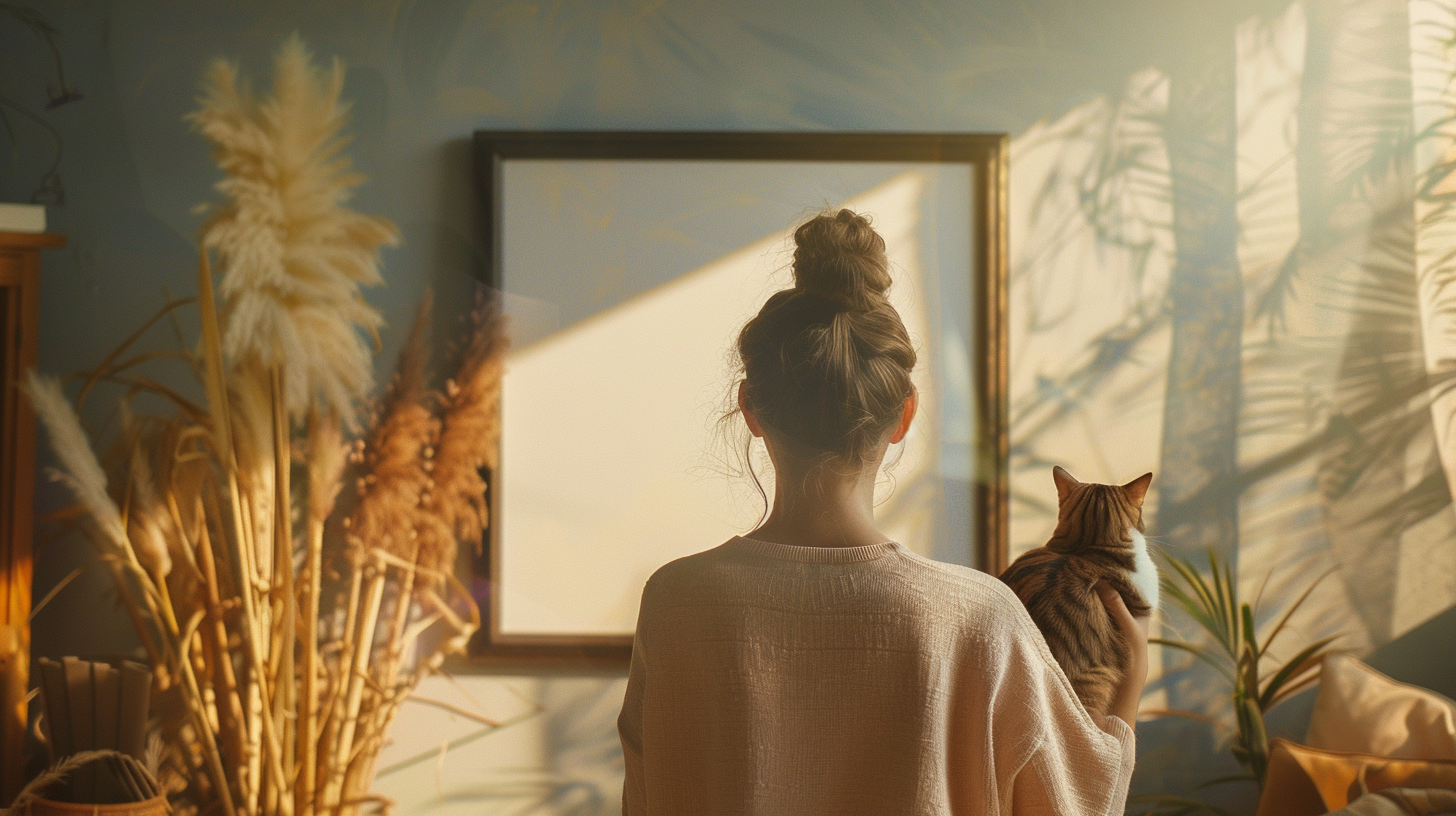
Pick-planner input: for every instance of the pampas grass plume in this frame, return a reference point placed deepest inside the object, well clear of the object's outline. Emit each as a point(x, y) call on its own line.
point(389, 515)
point(293, 255)
point(327, 456)
point(471, 431)
point(145, 514)
point(80, 470)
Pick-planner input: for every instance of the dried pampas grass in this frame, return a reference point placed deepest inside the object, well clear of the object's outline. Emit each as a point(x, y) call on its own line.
point(80, 470)
point(144, 510)
point(293, 255)
point(285, 637)
point(393, 474)
point(471, 430)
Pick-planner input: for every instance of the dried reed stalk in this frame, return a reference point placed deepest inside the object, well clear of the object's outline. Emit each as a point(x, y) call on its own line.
point(281, 687)
point(326, 459)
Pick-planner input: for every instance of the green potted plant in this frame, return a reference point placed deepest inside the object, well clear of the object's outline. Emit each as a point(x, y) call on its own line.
point(1256, 681)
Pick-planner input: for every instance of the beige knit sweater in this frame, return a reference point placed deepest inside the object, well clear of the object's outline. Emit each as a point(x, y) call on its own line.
point(773, 679)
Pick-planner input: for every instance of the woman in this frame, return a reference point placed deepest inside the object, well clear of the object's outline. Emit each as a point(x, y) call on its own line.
point(815, 667)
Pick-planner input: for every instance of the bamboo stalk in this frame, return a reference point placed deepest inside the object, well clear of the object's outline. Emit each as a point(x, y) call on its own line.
point(253, 674)
point(283, 567)
point(322, 432)
point(223, 664)
point(193, 696)
point(340, 681)
point(377, 720)
point(217, 403)
point(393, 648)
point(361, 766)
point(253, 696)
point(364, 639)
point(209, 744)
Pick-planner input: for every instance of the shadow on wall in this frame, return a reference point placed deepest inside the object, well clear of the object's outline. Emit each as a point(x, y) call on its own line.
point(1296, 263)
point(1271, 260)
point(1423, 656)
point(557, 753)
point(583, 770)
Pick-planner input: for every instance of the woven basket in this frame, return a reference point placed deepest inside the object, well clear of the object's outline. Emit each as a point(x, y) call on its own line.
point(151, 807)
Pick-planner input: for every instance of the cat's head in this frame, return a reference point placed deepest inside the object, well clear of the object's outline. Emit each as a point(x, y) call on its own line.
point(1098, 514)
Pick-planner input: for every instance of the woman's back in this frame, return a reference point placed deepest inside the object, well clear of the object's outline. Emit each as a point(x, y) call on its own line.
point(847, 675)
point(768, 678)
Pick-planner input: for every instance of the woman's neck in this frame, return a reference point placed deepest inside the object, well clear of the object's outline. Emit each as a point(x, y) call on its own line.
point(833, 510)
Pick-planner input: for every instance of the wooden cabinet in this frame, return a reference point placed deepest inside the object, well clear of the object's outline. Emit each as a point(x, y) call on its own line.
point(19, 328)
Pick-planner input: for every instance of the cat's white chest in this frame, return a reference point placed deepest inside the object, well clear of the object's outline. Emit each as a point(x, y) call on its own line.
point(1144, 572)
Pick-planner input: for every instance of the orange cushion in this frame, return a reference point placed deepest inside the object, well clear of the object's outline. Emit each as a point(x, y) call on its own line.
point(1360, 710)
point(1303, 781)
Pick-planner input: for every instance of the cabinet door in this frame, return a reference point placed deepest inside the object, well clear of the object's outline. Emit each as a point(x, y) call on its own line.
point(19, 325)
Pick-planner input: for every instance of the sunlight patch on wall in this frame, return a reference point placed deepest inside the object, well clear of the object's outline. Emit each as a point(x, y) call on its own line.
point(1091, 250)
point(1287, 365)
point(1428, 570)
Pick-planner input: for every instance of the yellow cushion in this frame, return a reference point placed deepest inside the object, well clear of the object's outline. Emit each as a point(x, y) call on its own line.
point(1303, 781)
point(1360, 710)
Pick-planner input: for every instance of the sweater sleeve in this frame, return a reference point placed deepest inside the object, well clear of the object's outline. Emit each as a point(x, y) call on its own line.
point(629, 728)
point(1073, 764)
point(1062, 780)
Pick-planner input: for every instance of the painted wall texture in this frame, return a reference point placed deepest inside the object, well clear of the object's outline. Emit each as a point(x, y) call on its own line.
point(1231, 245)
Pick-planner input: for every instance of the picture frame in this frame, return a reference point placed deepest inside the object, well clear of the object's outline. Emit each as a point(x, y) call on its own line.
point(525, 180)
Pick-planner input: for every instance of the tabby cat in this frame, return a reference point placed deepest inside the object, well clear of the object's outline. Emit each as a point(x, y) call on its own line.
point(1098, 538)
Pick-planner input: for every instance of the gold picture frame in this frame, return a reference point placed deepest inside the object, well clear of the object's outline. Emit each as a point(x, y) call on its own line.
point(500, 156)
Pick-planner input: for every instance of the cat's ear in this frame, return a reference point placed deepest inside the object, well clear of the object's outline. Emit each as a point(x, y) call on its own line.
point(1137, 489)
point(1065, 482)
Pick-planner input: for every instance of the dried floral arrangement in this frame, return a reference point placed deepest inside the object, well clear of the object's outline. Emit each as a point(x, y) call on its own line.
point(291, 585)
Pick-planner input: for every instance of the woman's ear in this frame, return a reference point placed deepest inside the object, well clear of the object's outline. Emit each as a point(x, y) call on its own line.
point(753, 426)
point(907, 414)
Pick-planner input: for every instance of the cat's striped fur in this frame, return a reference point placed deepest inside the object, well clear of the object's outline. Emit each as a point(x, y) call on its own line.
point(1098, 538)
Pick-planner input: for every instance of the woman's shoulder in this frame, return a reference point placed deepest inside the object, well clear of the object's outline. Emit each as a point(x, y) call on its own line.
point(687, 570)
point(990, 611)
point(988, 592)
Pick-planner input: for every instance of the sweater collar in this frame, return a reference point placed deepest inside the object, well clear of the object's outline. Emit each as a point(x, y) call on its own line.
point(821, 555)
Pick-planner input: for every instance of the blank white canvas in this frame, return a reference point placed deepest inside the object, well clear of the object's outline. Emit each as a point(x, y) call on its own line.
point(609, 462)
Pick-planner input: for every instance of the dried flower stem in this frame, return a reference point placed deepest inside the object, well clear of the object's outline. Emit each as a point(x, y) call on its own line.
point(222, 425)
point(284, 704)
point(223, 664)
point(358, 674)
point(325, 464)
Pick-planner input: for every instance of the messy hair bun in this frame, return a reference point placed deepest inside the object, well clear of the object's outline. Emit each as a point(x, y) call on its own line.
point(827, 363)
point(842, 259)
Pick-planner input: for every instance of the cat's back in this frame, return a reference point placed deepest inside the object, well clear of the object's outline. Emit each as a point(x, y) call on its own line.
point(1098, 539)
point(1044, 570)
